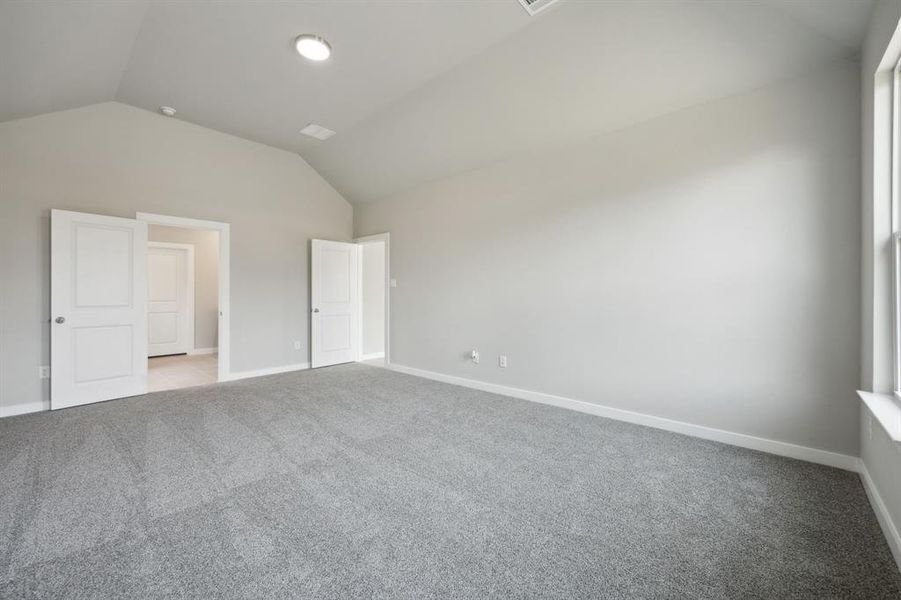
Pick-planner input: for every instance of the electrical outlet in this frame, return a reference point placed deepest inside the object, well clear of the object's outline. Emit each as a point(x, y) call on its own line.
point(44, 372)
point(502, 361)
point(393, 283)
point(474, 356)
point(297, 346)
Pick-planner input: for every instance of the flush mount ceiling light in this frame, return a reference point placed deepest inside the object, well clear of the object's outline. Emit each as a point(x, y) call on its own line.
point(312, 47)
point(168, 111)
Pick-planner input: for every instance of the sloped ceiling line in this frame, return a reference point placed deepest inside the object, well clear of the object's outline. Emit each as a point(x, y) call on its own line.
point(417, 91)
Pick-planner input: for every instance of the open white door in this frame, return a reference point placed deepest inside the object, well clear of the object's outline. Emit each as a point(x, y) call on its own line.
point(334, 303)
point(98, 303)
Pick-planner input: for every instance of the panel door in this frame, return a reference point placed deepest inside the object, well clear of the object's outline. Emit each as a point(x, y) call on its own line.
point(98, 303)
point(334, 303)
point(170, 327)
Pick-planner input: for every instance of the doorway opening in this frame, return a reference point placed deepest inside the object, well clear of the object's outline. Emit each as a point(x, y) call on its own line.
point(350, 302)
point(374, 299)
point(182, 307)
point(201, 355)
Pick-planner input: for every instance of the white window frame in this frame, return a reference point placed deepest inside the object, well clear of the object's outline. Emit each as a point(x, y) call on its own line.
point(896, 224)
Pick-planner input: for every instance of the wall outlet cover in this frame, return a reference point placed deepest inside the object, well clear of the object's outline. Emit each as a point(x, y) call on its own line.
point(44, 372)
point(502, 361)
point(297, 345)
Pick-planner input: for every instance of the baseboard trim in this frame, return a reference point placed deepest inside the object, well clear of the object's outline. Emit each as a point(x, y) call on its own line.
point(814, 455)
point(234, 376)
point(372, 356)
point(203, 351)
point(882, 514)
point(23, 409)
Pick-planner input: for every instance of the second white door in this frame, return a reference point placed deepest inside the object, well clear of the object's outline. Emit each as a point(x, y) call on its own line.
point(335, 303)
point(170, 302)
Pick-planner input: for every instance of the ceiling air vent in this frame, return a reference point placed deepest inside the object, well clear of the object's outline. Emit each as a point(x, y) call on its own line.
point(533, 7)
point(317, 131)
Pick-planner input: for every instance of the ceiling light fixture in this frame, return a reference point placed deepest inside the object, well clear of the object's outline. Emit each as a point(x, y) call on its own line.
point(312, 47)
point(168, 111)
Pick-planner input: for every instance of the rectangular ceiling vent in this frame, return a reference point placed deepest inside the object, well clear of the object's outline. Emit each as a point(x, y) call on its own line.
point(533, 7)
point(317, 131)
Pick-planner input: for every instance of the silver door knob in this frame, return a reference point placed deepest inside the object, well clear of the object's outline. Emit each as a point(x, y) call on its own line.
point(60, 320)
point(315, 310)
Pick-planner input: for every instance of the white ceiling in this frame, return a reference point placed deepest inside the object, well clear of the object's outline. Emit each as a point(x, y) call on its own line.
point(415, 90)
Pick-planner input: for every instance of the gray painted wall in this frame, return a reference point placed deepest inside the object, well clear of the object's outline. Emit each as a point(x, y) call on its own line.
point(373, 285)
point(703, 266)
point(117, 160)
point(206, 278)
point(880, 458)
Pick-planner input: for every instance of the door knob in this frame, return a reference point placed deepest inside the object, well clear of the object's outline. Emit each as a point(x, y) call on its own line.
point(315, 310)
point(60, 320)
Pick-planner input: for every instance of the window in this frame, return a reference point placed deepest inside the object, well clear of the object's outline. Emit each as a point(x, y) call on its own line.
point(895, 174)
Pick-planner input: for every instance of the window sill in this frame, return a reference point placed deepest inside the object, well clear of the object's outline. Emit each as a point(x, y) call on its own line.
point(887, 411)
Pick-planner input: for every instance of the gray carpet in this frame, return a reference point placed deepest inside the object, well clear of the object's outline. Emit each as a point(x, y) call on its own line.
point(357, 482)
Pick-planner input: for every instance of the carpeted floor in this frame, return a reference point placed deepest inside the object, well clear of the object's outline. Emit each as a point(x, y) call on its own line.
point(358, 482)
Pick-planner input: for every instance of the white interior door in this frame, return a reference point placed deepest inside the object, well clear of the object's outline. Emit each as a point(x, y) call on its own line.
point(334, 303)
point(98, 303)
point(170, 292)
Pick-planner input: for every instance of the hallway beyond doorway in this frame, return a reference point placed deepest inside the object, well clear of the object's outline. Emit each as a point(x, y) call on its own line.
point(180, 371)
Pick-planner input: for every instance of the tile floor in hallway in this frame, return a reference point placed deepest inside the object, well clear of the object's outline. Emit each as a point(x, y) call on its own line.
point(181, 370)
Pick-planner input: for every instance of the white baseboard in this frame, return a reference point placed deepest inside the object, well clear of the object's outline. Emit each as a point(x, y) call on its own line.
point(814, 455)
point(372, 356)
point(203, 351)
point(23, 409)
point(882, 515)
point(233, 376)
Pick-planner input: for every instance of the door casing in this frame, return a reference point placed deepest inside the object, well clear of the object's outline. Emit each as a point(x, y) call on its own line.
point(386, 239)
point(224, 230)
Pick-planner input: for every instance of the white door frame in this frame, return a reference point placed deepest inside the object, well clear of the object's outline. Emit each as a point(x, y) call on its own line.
point(369, 239)
point(224, 281)
point(189, 249)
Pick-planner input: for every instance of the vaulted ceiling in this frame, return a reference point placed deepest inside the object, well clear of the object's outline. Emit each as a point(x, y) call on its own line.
point(416, 90)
